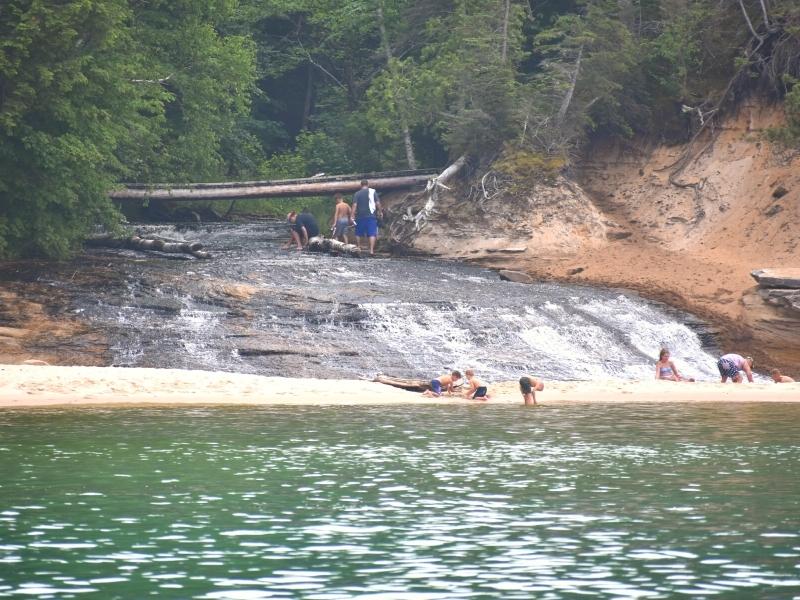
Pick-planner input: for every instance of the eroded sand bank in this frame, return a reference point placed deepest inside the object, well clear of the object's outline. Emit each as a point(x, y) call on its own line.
point(30, 386)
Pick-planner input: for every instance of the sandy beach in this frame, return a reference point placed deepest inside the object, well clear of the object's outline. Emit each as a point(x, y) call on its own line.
point(35, 385)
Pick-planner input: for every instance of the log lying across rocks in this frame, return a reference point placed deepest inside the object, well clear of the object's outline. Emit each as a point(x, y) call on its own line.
point(321, 244)
point(149, 244)
point(412, 385)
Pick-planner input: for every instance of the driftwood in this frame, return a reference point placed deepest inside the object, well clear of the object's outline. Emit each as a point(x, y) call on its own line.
point(322, 244)
point(412, 385)
point(149, 244)
point(404, 228)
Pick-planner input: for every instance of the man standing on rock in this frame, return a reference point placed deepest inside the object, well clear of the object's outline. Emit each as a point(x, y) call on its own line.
point(366, 211)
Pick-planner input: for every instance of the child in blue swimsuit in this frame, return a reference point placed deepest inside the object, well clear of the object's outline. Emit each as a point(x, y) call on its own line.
point(443, 382)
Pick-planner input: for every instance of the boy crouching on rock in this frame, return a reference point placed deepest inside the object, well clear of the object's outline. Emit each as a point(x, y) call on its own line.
point(443, 382)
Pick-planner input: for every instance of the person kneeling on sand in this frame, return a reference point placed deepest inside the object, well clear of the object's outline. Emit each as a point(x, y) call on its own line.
point(529, 385)
point(778, 378)
point(478, 390)
point(730, 365)
point(446, 382)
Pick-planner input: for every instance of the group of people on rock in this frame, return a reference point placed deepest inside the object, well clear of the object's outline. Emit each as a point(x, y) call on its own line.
point(731, 366)
point(363, 214)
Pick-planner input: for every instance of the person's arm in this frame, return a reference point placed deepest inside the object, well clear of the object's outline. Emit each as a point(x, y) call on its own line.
point(658, 372)
point(748, 372)
point(675, 371)
point(378, 207)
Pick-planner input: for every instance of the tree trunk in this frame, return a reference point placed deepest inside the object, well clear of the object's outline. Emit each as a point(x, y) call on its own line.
point(409, 146)
point(147, 244)
point(504, 49)
point(412, 385)
point(309, 96)
point(562, 112)
point(321, 244)
point(749, 22)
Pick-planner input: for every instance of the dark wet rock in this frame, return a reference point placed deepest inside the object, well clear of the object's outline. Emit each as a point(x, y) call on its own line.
point(515, 276)
point(779, 192)
point(773, 210)
point(618, 235)
point(576, 270)
point(784, 298)
point(777, 278)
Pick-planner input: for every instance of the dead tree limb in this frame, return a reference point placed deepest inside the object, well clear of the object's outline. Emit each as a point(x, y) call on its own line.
point(135, 242)
point(412, 222)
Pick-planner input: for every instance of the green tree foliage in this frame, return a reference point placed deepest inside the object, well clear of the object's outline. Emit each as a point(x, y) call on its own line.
point(93, 92)
point(96, 92)
point(67, 102)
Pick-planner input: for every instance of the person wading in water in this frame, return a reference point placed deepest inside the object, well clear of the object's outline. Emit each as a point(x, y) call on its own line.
point(366, 211)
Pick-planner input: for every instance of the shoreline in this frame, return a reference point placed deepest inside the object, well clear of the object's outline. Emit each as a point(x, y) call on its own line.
point(31, 386)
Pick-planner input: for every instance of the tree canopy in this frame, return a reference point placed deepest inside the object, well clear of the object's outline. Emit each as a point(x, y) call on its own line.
point(97, 92)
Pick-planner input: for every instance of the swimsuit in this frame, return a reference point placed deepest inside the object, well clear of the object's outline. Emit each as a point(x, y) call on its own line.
point(525, 385)
point(341, 226)
point(436, 386)
point(727, 368)
point(665, 373)
point(480, 392)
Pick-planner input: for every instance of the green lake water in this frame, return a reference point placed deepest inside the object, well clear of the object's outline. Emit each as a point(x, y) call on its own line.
point(402, 502)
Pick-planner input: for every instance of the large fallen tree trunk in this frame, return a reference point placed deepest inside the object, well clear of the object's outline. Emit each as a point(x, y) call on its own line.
point(269, 189)
point(149, 244)
point(321, 244)
point(412, 385)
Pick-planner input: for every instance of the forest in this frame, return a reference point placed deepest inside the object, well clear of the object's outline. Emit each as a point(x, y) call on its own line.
point(98, 92)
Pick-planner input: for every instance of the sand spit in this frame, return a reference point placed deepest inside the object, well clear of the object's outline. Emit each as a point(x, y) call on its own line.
point(32, 386)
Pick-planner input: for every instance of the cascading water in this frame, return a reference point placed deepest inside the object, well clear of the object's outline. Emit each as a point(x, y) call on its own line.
point(257, 308)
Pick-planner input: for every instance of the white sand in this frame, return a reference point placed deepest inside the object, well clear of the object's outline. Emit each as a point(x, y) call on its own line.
point(28, 385)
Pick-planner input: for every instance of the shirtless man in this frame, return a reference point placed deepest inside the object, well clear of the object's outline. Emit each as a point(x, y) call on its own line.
point(342, 217)
point(446, 382)
point(778, 378)
point(529, 385)
point(730, 365)
point(478, 390)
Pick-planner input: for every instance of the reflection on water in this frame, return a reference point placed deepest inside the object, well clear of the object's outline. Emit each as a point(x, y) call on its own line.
point(406, 503)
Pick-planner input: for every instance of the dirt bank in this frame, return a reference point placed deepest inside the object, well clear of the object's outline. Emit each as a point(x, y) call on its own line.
point(688, 237)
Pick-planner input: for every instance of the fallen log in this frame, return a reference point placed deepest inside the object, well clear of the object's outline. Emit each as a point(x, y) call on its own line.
point(322, 244)
point(412, 385)
point(135, 242)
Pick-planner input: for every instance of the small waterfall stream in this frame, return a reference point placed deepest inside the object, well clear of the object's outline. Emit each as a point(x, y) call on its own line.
point(256, 308)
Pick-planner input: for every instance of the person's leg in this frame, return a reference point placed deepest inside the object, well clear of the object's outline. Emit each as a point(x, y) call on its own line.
point(372, 244)
point(296, 240)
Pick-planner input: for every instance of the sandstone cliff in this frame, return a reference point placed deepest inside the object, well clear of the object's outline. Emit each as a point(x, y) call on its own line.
point(639, 216)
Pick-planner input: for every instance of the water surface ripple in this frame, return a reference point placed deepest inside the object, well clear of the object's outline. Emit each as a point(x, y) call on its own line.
point(401, 503)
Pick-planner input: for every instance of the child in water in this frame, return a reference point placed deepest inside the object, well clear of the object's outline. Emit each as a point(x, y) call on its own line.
point(446, 382)
point(478, 390)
